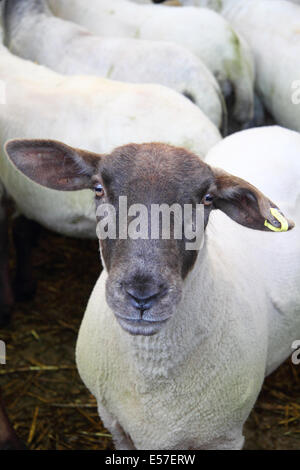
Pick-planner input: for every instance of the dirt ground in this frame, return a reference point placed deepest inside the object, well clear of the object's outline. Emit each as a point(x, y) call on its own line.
point(47, 402)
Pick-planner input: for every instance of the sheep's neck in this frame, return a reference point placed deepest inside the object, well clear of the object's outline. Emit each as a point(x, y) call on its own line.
point(192, 323)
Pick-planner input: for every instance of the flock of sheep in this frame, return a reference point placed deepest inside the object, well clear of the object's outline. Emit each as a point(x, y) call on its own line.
point(174, 344)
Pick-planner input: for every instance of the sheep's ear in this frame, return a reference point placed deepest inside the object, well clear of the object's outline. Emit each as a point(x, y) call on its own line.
point(53, 164)
point(246, 205)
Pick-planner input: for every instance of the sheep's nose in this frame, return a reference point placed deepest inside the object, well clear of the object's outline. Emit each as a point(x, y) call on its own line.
point(143, 299)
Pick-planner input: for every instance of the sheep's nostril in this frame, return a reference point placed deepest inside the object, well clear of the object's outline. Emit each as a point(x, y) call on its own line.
point(142, 301)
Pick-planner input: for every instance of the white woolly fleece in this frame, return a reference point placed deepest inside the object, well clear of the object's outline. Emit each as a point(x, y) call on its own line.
point(193, 385)
point(205, 33)
point(271, 27)
point(70, 49)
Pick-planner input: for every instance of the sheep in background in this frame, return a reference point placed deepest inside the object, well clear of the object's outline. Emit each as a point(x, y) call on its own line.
point(32, 32)
point(89, 112)
point(203, 32)
point(173, 347)
point(271, 29)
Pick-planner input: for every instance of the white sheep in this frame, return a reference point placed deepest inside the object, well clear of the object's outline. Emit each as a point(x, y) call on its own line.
point(33, 33)
point(271, 29)
point(175, 344)
point(193, 385)
point(203, 32)
point(89, 112)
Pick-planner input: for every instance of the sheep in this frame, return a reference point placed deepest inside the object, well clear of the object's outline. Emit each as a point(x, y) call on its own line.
point(8, 437)
point(92, 112)
point(33, 33)
point(271, 29)
point(175, 344)
point(276, 48)
point(204, 32)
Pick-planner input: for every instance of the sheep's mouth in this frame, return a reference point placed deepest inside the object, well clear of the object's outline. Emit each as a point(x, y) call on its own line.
point(140, 327)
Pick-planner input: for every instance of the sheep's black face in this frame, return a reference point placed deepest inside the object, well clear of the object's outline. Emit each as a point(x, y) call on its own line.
point(146, 274)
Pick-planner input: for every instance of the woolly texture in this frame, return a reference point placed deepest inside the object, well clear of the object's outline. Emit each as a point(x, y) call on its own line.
point(203, 32)
point(32, 32)
point(271, 27)
point(193, 385)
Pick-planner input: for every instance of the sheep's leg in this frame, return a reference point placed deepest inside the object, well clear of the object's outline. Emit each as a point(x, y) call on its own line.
point(8, 437)
point(25, 235)
point(121, 439)
point(6, 295)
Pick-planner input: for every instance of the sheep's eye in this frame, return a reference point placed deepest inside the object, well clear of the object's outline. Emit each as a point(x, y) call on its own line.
point(99, 191)
point(208, 199)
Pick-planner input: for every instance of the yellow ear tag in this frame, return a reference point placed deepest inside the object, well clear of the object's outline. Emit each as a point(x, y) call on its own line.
point(281, 219)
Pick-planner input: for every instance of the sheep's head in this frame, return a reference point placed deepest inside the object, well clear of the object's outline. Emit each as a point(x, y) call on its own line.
point(146, 269)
